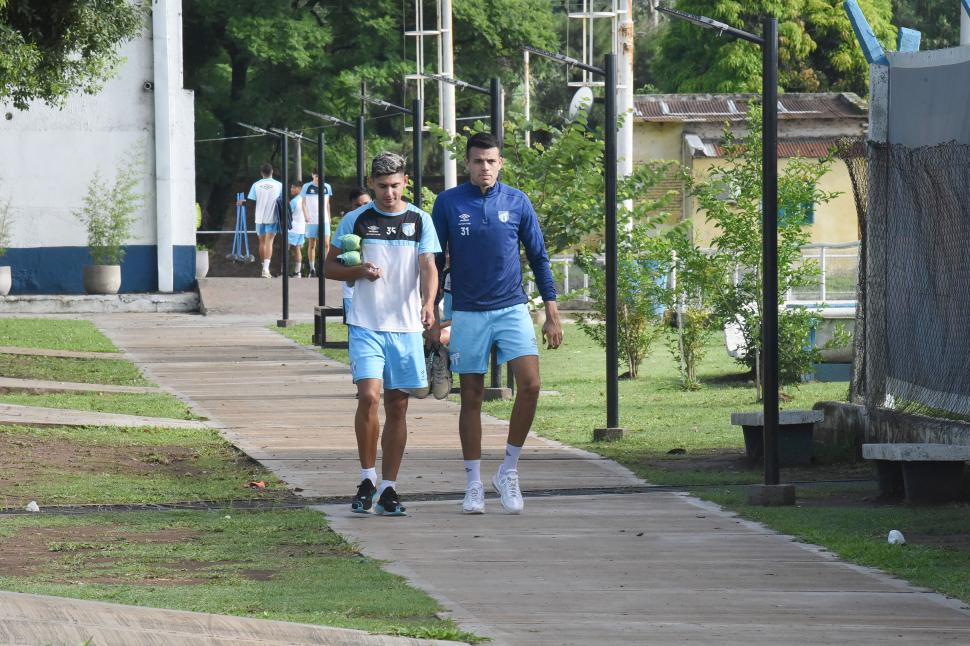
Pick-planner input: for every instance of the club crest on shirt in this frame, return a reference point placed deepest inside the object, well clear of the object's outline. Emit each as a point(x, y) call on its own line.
point(408, 229)
point(464, 218)
point(503, 216)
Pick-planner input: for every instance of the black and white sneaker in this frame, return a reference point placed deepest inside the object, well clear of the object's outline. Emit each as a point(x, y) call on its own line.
point(364, 500)
point(389, 504)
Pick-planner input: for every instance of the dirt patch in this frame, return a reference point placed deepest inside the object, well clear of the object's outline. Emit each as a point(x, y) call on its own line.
point(27, 459)
point(84, 554)
point(735, 461)
point(959, 542)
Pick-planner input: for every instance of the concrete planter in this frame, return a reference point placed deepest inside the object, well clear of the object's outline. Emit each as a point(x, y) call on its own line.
point(102, 279)
point(5, 280)
point(201, 263)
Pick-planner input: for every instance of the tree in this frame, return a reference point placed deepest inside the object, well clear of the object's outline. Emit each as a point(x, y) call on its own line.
point(937, 20)
point(54, 48)
point(738, 251)
point(643, 261)
point(264, 62)
point(817, 47)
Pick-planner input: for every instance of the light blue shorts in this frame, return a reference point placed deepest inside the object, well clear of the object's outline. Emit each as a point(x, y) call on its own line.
point(447, 314)
point(295, 239)
point(312, 231)
point(263, 229)
point(395, 357)
point(347, 302)
point(474, 333)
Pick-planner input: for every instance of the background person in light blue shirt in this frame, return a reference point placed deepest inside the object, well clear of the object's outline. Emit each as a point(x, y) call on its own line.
point(311, 194)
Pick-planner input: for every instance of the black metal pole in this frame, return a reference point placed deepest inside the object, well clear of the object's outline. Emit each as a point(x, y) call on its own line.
point(321, 217)
point(360, 151)
point(284, 210)
point(609, 160)
point(497, 111)
point(498, 131)
point(769, 170)
point(417, 121)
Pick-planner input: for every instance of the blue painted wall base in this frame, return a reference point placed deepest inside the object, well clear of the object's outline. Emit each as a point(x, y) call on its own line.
point(57, 270)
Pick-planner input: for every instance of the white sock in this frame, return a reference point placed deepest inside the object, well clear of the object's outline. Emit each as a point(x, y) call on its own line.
point(385, 484)
point(511, 460)
point(473, 471)
point(369, 474)
point(265, 265)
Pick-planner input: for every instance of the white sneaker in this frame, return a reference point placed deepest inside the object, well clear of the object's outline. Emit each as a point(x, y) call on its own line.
point(266, 274)
point(474, 502)
point(507, 485)
point(440, 373)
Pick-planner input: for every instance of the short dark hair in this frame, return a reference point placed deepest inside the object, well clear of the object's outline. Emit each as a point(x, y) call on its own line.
point(266, 170)
point(296, 182)
point(387, 163)
point(482, 140)
point(356, 192)
point(315, 172)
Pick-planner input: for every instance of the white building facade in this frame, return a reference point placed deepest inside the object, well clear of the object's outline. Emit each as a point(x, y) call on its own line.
point(49, 156)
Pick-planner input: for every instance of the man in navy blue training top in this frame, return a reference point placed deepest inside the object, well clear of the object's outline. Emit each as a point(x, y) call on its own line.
point(480, 224)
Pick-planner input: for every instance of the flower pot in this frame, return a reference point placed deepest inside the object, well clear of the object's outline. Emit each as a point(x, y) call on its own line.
point(102, 279)
point(201, 263)
point(5, 280)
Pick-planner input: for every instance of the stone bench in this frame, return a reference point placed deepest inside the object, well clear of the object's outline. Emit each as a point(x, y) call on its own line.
point(795, 429)
point(918, 473)
point(320, 315)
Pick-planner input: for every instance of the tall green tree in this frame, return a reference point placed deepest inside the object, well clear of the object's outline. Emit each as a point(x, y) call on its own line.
point(264, 62)
point(817, 47)
point(54, 48)
point(937, 20)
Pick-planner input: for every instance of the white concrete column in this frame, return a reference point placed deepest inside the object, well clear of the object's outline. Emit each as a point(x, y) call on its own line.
point(964, 25)
point(625, 99)
point(447, 91)
point(165, 46)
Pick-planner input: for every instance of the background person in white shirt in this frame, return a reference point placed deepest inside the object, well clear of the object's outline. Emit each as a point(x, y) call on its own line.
point(265, 195)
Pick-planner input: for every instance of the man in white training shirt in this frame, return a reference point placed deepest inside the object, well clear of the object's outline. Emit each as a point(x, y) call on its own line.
point(265, 194)
point(394, 294)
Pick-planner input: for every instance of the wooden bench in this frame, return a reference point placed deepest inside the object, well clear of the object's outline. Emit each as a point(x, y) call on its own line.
point(320, 315)
point(795, 430)
point(918, 473)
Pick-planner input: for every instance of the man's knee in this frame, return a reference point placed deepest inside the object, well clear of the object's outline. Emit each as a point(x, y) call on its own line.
point(528, 385)
point(396, 405)
point(369, 400)
point(472, 391)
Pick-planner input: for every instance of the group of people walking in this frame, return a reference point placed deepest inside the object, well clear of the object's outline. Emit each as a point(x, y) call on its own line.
point(464, 256)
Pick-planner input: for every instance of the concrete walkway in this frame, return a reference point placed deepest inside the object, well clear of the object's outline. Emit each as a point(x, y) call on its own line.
point(30, 620)
point(655, 567)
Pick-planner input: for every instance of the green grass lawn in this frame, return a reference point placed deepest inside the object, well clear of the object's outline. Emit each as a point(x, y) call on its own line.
point(90, 371)
point(659, 416)
point(283, 565)
point(53, 334)
point(147, 404)
point(303, 333)
point(57, 466)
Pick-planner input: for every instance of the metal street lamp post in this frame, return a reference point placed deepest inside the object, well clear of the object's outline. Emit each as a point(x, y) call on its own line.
point(608, 71)
point(417, 114)
point(768, 42)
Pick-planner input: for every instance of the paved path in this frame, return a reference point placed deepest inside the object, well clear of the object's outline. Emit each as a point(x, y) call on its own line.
point(30, 620)
point(39, 416)
point(42, 386)
point(656, 567)
point(68, 354)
